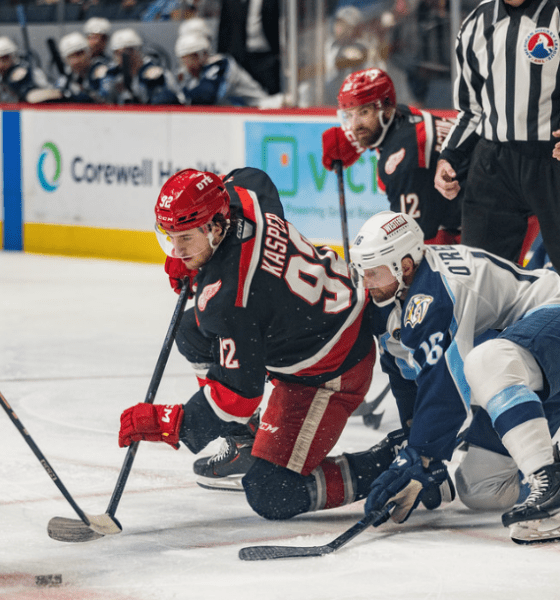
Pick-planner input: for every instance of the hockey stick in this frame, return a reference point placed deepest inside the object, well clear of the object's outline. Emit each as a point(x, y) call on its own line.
point(22, 20)
point(86, 520)
point(72, 530)
point(374, 519)
point(55, 56)
point(343, 216)
point(365, 409)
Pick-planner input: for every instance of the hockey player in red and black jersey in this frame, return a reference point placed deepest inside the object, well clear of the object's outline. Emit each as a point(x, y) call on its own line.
point(268, 304)
point(407, 140)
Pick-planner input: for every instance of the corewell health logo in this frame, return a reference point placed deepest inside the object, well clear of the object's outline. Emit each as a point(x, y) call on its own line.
point(49, 167)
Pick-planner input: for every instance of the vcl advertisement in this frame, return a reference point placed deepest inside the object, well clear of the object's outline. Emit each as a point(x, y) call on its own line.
point(290, 152)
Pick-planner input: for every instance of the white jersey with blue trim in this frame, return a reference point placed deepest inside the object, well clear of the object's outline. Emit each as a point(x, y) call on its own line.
point(458, 293)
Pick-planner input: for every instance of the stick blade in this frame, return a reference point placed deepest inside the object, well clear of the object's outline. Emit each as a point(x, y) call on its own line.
point(274, 552)
point(75, 530)
point(71, 530)
point(104, 524)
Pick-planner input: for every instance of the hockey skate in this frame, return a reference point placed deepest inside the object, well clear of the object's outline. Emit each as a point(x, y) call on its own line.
point(225, 469)
point(537, 519)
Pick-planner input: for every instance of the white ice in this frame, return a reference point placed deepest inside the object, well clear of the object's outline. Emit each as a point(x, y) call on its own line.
point(79, 343)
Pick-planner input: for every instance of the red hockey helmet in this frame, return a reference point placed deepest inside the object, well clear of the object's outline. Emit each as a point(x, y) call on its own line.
point(190, 199)
point(370, 86)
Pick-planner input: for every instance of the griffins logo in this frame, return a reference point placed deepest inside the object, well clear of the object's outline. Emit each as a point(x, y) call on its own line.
point(49, 167)
point(416, 309)
point(541, 46)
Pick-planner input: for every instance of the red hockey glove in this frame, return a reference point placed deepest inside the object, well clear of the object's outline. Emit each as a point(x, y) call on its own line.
point(339, 144)
point(179, 274)
point(151, 422)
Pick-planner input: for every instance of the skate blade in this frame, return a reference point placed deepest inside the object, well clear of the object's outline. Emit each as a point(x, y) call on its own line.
point(222, 484)
point(539, 531)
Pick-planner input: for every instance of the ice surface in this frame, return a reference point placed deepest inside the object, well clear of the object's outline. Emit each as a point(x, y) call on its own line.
point(79, 342)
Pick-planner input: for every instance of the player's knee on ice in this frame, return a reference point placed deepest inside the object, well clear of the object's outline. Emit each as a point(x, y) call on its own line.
point(499, 364)
point(487, 480)
point(276, 493)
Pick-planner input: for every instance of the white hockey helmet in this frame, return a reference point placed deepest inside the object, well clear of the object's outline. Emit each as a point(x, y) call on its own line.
point(73, 42)
point(191, 43)
point(384, 240)
point(350, 14)
point(7, 46)
point(97, 25)
point(194, 25)
point(125, 38)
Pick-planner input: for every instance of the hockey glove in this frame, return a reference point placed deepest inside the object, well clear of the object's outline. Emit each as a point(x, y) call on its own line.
point(404, 483)
point(340, 144)
point(179, 275)
point(151, 422)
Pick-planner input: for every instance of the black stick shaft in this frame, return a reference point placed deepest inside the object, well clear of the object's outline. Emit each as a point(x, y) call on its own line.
point(55, 55)
point(42, 459)
point(22, 19)
point(343, 215)
point(150, 396)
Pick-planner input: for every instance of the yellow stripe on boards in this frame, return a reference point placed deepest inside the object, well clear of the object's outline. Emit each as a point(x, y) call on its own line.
point(92, 242)
point(96, 242)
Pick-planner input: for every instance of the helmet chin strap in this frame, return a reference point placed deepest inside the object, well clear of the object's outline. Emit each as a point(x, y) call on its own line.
point(384, 128)
point(210, 236)
point(397, 295)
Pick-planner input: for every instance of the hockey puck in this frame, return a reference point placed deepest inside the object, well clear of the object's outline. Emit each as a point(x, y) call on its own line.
point(48, 580)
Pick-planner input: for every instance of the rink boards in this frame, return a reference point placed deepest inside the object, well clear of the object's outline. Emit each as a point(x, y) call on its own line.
point(83, 181)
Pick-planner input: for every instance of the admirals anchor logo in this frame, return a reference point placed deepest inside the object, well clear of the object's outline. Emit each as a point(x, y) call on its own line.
point(541, 45)
point(416, 309)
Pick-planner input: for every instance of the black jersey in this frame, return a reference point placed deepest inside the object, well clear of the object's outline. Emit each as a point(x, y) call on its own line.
point(406, 170)
point(273, 304)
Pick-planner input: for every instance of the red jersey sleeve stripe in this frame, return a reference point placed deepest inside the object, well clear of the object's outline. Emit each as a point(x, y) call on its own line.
point(228, 405)
point(420, 138)
point(250, 248)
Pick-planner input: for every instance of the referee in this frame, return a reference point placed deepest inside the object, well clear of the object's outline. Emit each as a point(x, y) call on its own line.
point(507, 92)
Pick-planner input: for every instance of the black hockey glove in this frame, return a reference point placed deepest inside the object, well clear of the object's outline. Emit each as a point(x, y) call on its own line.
point(404, 483)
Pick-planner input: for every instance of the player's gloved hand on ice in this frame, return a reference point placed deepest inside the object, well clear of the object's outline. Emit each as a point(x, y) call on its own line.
point(340, 144)
point(179, 275)
point(404, 482)
point(151, 422)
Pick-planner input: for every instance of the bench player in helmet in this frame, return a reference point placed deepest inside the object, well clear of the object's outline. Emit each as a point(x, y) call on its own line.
point(134, 78)
point(435, 301)
point(407, 140)
point(213, 79)
point(267, 304)
point(19, 82)
point(82, 81)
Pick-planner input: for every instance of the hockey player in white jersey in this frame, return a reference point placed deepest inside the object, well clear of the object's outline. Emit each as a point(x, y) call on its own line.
point(432, 303)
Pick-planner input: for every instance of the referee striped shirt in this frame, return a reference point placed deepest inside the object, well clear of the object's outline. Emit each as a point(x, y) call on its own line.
point(508, 83)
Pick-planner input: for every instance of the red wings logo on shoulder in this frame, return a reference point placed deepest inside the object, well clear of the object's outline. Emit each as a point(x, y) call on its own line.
point(207, 293)
point(394, 160)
